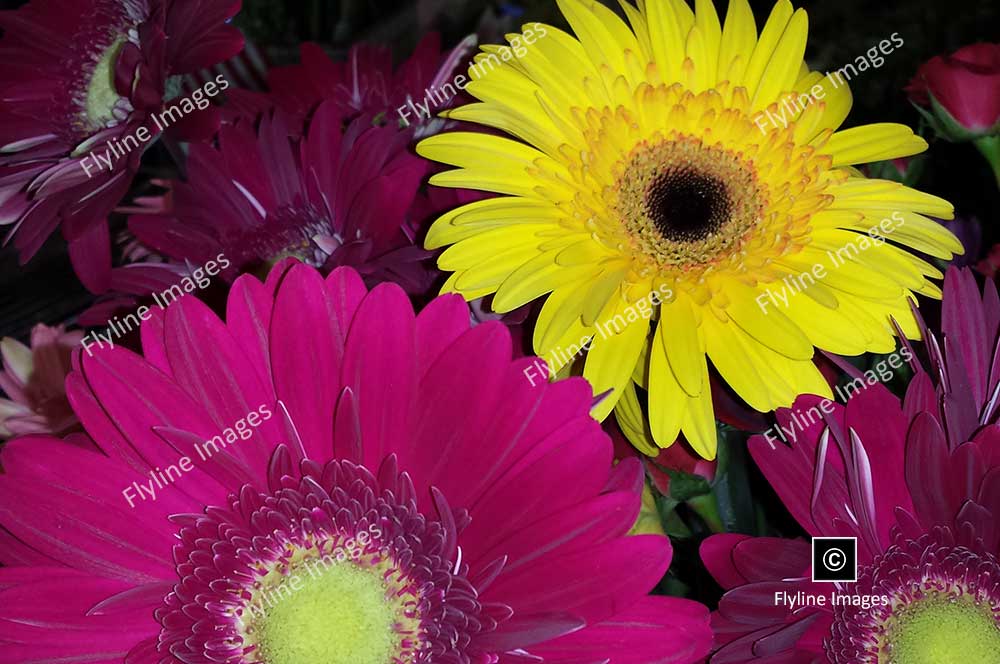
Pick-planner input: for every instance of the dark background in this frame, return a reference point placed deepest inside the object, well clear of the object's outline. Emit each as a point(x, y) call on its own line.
point(47, 291)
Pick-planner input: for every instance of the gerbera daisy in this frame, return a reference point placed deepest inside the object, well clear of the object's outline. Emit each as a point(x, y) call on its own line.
point(326, 477)
point(333, 197)
point(916, 484)
point(366, 83)
point(33, 380)
point(78, 78)
point(693, 162)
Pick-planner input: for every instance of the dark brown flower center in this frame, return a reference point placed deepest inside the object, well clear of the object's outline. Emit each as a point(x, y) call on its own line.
point(687, 206)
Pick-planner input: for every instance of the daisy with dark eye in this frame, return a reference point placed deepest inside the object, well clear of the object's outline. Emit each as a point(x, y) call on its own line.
point(648, 158)
point(82, 78)
point(327, 477)
point(916, 484)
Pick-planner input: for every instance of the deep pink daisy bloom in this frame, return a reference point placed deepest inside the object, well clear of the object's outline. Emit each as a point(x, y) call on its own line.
point(33, 380)
point(366, 83)
point(78, 78)
point(327, 477)
point(332, 198)
point(917, 483)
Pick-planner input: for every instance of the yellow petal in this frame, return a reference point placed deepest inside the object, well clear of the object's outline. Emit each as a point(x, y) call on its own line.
point(772, 329)
point(873, 142)
point(667, 400)
point(684, 349)
point(739, 36)
point(782, 70)
point(610, 361)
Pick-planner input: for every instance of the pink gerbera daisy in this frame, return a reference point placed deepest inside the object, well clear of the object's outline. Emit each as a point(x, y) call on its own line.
point(33, 378)
point(78, 77)
point(917, 483)
point(326, 477)
point(330, 198)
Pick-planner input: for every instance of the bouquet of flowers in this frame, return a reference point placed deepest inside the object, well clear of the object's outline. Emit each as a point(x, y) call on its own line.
point(480, 332)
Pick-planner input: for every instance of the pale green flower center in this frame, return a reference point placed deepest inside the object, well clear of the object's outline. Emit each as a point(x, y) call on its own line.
point(101, 94)
point(327, 613)
point(941, 629)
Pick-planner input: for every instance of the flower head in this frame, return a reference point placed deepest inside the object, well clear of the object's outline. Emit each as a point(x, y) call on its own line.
point(697, 162)
point(82, 79)
point(962, 90)
point(913, 482)
point(33, 379)
point(326, 476)
point(336, 196)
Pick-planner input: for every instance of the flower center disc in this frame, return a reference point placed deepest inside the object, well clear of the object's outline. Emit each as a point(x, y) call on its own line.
point(339, 567)
point(684, 203)
point(943, 608)
point(101, 96)
point(942, 630)
point(298, 613)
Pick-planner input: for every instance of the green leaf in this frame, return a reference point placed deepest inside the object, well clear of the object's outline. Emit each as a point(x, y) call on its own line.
point(732, 483)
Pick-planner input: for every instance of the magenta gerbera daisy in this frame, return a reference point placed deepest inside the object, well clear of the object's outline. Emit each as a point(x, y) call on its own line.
point(915, 482)
point(330, 198)
point(366, 83)
point(326, 477)
point(81, 79)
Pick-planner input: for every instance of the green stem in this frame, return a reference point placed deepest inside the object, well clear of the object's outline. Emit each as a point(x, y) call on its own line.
point(706, 507)
point(989, 147)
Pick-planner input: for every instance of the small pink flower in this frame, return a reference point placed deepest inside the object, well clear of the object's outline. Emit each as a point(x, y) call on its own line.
point(33, 379)
point(966, 87)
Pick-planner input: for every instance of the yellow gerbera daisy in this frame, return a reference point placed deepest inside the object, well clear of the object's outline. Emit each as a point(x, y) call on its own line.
point(654, 166)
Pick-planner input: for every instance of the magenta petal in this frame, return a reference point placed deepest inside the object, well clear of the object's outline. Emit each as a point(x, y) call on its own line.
point(90, 253)
point(627, 475)
point(584, 525)
point(83, 532)
point(379, 364)
point(521, 497)
point(206, 362)
point(528, 630)
point(655, 630)
point(926, 456)
point(766, 558)
point(111, 376)
point(154, 347)
point(248, 318)
point(717, 554)
point(963, 323)
point(307, 338)
point(439, 324)
point(616, 569)
point(45, 609)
